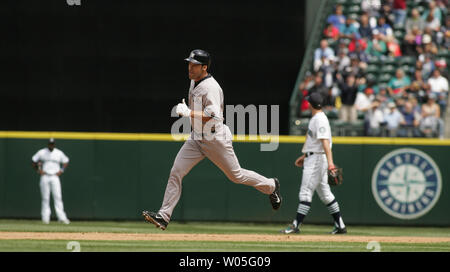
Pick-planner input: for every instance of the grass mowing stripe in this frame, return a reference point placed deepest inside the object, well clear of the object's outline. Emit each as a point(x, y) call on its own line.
point(173, 246)
point(213, 228)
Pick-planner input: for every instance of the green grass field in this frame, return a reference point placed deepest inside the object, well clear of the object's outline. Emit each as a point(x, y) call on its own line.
point(60, 245)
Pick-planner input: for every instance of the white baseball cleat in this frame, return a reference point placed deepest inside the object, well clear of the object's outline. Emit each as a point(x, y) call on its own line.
point(65, 222)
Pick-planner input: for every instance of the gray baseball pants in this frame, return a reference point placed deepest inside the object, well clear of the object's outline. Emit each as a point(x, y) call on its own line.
point(221, 153)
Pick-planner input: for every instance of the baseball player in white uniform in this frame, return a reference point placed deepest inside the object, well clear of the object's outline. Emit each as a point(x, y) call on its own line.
point(209, 138)
point(317, 158)
point(47, 162)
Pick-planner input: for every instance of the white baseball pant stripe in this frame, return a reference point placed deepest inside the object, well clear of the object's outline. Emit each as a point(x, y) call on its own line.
point(315, 179)
point(51, 184)
point(221, 153)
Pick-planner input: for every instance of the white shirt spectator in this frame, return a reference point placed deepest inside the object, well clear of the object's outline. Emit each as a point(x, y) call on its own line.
point(375, 118)
point(393, 119)
point(362, 102)
point(439, 84)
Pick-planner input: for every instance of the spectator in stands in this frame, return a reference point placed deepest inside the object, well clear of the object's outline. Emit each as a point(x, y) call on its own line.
point(355, 68)
point(328, 69)
point(365, 30)
point(440, 34)
point(418, 86)
point(364, 100)
point(393, 119)
point(386, 12)
point(441, 65)
point(414, 21)
point(322, 55)
point(303, 89)
point(348, 89)
point(416, 107)
point(412, 40)
point(433, 9)
point(343, 60)
point(372, 8)
point(409, 127)
point(376, 47)
point(329, 102)
point(428, 46)
point(384, 28)
point(393, 47)
point(439, 87)
point(348, 30)
point(399, 7)
point(438, 83)
point(375, 119)
point(360, 51)
point(337, 19)
point(428, 65)
point(319, 86)
point(331, 32)
point(443, 36)
point(431, 124)
point(398, 84)
point(432, 22)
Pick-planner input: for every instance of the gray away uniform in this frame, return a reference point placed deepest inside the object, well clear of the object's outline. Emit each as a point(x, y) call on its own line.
point(207, 96)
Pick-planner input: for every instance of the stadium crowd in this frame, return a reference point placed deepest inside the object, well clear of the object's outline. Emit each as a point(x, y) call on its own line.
point(357, 51)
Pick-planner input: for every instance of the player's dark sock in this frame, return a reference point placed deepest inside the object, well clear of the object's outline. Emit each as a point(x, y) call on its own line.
point(333, 209)
point(302, 211)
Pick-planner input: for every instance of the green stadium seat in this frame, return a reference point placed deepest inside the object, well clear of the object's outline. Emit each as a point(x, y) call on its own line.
point(408, 69)
point(407, 60)
point(384, 77)
point(354, 16)
point(374, 60)
point(400, 27)
point(372, 68)
point(361, 115)
point(443, 53)
point(399, 34)
point(353, 9)
point(305, 114)
point(355, 2)
point(342, 2)
point(371, 77)
point(387, 61)
point(420, 8)
point(331, 114)
point(389, 68)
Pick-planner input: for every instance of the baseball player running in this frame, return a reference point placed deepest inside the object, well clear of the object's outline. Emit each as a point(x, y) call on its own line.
point(317, 158)
point(210, 138)
point(47, 162)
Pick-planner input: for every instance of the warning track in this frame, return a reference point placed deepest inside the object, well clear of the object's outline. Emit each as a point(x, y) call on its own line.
point(101, 236)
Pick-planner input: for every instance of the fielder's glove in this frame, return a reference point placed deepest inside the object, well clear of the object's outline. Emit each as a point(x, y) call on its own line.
point(335, 176)
point(183, 110)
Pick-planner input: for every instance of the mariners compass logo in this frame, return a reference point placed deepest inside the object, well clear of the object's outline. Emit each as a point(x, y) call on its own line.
point(406, 183)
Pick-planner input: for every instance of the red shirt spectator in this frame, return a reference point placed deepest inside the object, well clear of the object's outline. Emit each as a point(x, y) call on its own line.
point(352, 45)
point(331, 32)
point(399, 4)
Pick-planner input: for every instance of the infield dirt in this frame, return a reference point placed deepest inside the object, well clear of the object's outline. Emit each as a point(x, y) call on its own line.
point(101, 236)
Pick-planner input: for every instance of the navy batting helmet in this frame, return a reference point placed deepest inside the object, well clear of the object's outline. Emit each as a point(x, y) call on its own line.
point(199, 56)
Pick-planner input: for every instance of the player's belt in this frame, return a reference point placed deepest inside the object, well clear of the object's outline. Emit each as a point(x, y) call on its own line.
point(307, 154)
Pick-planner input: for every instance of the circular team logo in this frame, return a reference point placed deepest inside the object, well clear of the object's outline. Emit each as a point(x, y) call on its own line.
point(406, 183)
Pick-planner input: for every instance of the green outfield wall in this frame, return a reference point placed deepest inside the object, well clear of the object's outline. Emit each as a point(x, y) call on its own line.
point(116, 176)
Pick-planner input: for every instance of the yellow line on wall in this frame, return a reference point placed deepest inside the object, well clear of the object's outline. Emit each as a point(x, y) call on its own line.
point(237, 138)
